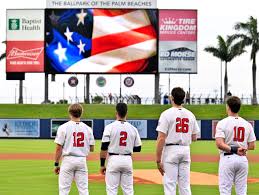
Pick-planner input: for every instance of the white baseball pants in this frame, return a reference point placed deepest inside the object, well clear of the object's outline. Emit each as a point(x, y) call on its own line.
point(233, 169)
point(73, 168)
point(119, 171)
point(176, 161)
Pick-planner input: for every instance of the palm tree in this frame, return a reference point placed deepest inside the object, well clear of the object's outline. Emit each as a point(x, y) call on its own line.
point(3, 56)
point(226, 51)
point(250, 38)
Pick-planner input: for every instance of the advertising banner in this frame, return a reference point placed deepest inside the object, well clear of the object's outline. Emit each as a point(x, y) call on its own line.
point(215, 122)
point(55, 123)
point(178, 41)
point(19, 128)
point(141, 126)
point(101, 4)
point(25, 41)
point(101, 41)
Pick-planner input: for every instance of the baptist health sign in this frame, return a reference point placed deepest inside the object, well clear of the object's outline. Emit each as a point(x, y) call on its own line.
point(25, 41)
point(102, 4)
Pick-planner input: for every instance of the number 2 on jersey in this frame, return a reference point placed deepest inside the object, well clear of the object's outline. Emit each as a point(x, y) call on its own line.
point(78, 139)
point(123, 138)
point(239, 134)
point(182, 125)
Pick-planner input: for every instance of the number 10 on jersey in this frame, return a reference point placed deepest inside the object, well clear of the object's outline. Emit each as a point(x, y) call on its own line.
point(239, 134)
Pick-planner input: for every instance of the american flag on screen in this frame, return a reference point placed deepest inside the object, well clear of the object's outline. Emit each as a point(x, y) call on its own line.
point(100, 40)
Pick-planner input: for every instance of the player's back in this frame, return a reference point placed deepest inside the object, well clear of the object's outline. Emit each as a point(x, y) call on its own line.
point(236, 131)
point(77, 140)
point(122, 137)
point(181, 125)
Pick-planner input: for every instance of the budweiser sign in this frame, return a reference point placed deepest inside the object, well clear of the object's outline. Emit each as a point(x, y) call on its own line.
point(32, 54)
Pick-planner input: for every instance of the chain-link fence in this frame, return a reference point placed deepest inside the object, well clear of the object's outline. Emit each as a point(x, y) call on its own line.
point(195, 99)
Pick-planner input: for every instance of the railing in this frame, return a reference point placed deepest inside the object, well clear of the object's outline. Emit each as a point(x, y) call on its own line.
point(115, 98)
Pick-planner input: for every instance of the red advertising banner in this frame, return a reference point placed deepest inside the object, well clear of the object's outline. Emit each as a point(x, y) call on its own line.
point(25, 56)
point(178, 41)
point(178, 25)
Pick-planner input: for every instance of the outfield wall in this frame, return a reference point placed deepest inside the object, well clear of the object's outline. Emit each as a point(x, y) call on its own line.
point(46, 128)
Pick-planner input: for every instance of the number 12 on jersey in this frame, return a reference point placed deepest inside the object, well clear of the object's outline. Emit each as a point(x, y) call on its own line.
point(79, 139)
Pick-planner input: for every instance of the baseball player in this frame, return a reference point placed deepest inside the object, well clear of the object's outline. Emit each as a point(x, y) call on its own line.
point(234, 136)
point(177, 128)
point(74, 141)
point(120, 139)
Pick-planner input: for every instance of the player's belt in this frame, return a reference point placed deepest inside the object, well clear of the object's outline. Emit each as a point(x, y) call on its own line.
point(172, 145)
point(112, 154)
point(228, 154)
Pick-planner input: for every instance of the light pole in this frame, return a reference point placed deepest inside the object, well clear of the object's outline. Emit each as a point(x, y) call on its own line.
point(46, 88)
point(84, 88)
point(63, 92)
point(15, 95)
point(21, 88)
point(120, 89)
point(76, 95)
point(25, 90)
point(189, 84)
point(169, 83)
point(20, 100)
point(221, 98)
point(87, 88)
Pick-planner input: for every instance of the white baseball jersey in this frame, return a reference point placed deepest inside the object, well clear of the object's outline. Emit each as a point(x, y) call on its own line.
point(123, 137)
point(236, 131)
point(179, 124)
point(75, 138)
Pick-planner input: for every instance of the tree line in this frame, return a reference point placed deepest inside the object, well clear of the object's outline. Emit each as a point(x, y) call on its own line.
point(234, 45)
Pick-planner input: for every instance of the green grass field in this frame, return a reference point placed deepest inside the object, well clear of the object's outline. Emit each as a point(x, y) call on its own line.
point(107, 111)
point(27, 177)
point(46, 146)
point(30, 177)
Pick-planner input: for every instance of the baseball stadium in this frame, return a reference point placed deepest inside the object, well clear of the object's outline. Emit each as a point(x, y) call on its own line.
point(27, 164)
point(99, 54)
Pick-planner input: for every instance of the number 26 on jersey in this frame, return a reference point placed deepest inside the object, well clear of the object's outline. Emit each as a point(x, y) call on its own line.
point(182, 125)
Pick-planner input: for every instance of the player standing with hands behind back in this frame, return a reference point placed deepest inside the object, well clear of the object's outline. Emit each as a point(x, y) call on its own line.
point(120, 140)
point(177, 128)
point(234, 136)
point(74, 141)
